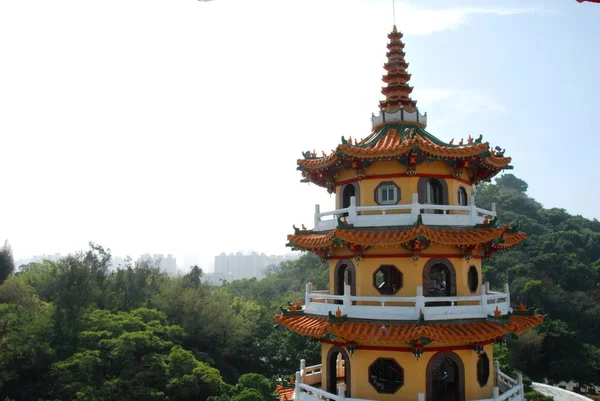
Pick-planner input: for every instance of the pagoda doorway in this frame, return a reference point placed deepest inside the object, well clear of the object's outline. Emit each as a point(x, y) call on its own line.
point(348, 191)
point(344, 274)
point(338, 370)
point(439, 280)
point(445, 378)
point(432, 191)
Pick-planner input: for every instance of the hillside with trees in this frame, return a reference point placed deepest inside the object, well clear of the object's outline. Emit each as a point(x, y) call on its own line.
point(73, 330)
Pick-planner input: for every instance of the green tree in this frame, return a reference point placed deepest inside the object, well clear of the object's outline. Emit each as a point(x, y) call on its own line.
point(132, 355)
point(7, 262)
point(26, 352)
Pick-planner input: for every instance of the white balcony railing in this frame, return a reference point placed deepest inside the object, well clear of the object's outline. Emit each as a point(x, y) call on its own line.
point(403, 215)
point(505, 388)
point(408, 308)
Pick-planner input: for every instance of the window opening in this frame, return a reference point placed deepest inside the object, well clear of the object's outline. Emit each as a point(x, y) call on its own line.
point(386, 375)
point(387, 279)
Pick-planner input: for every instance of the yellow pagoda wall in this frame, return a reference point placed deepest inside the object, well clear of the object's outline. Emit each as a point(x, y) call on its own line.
point(415, 371)
point(407, 185)
point(412, 271)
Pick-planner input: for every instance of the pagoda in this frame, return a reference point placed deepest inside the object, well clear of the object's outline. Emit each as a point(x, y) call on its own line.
point(406, 315)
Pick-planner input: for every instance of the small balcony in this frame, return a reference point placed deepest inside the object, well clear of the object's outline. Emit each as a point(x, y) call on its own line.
point(383, 307)
point(398, 116)
point(308, 382)
point(404, 215)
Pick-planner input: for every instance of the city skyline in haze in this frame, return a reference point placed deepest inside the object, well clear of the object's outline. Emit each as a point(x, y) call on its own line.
point(174, 127)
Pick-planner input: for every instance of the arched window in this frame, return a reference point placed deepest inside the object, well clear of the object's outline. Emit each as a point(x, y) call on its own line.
point(348, 191)
point(483, 369)
point(338, 370)
point(462, 197)
point(439, 281)
point(445, 377)
point(434, 192)
point(344, 273)
point(435, 271)
point(473, 279)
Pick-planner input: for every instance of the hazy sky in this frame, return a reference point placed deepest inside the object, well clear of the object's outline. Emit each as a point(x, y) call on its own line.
point(173, 126)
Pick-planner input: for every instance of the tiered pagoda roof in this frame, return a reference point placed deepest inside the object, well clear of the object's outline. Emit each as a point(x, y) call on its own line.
point(397, 92)
point(409, 144)
point(394, 334)
point(487, 237)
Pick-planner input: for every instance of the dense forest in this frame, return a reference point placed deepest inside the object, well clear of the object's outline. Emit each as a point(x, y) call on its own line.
point(74, 330)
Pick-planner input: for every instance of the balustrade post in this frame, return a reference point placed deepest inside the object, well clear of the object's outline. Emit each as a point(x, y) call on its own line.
point(414, 208)
point(317, 216)
point(507, 295)
point(420, 301)
point(484, 305)
point(487, 286)
point(494, 208)
point(307, 293)
point(472, 210)
point(496, 392)
point(341, 391)
point(303, 368)
point(352, 210)
point(346, 302)
point(520, 381)
point(421, 397)
point(497, 370)
point(297, 386)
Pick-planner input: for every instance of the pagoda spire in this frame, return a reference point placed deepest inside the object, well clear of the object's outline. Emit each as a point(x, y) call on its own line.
point(397, 91)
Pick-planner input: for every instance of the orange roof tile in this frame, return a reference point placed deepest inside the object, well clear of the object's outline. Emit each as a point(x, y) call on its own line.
point(319, 163)
point(396, 333)
point(496, 162)
point(393, 145)
point(398, 237)
point(285, 393)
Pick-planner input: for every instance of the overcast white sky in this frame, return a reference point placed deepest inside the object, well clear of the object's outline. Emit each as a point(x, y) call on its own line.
point(173, 126)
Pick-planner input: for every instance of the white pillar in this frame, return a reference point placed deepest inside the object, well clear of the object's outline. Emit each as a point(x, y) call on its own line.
point(472, 210)
point(341, 391)
point(507, 292)
point(494, 208)
point(420, 301)
point(307, 293)
point(414, 208)
point(317, 216)
point(484, 305)
point(496, 392)
point(497, 371)
point(297, 386)
point(421, 397)
point(347, 304)
point(520, 381)
point(352, 210)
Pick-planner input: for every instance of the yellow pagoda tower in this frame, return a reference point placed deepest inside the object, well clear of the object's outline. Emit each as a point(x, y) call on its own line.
point(406, 316)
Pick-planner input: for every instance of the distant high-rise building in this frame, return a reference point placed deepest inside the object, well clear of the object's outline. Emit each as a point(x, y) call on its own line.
point(239, 266)
point(166, 264)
